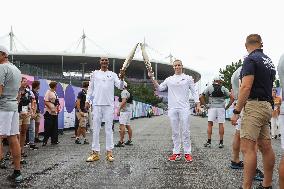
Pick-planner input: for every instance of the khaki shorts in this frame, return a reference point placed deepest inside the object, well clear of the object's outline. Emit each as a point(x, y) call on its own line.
point(36, 117)
point(255, 120)
point(24, 119)
point(82, 119)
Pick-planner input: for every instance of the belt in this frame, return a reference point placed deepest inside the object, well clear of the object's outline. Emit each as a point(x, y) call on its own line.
point(263, 99)
point(260, 99)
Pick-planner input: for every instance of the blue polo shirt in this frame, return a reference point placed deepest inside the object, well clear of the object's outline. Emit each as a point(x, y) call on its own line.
point(261, 66)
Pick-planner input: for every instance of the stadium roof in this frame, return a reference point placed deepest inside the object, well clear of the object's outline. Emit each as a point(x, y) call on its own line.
point(64, 62)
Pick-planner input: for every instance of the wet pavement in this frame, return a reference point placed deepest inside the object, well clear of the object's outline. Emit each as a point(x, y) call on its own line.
point(143, 165)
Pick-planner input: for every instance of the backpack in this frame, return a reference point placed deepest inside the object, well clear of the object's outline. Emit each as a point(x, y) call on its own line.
point(130, 99)
point(217, 91)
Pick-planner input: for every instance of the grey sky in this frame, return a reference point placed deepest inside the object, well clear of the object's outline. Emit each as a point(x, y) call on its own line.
point(206, 35)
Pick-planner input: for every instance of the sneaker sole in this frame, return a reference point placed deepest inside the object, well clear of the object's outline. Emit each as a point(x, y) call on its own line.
point(92, 160)
point(258, 178)
point(177, 159)
point(188, 160)
point(235, 167)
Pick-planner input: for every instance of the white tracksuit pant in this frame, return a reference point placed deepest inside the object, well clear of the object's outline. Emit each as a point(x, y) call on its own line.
point(274, 126)
point(179, 119)
point(281, 125)
point(102, 113)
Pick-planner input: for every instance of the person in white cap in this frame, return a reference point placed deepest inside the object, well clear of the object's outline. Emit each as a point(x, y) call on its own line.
point(179, 86)
point(235, 81)
point(10, 79)
point(216, 112)
point(125, 114)
point(101, 95)
point(280, 70)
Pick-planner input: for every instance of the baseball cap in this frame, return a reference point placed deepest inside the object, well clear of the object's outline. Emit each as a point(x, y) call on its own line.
point(217, 78)
point(4, 50)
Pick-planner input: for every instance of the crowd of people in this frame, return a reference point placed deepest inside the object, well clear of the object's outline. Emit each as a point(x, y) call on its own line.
point(258, 114)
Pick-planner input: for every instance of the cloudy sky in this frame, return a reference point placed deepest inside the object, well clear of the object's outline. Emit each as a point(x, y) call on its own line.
point(206, 35)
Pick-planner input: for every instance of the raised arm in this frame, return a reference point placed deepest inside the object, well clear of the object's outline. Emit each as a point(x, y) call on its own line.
point(118, 82)
point(194, 93)
point(163, 86)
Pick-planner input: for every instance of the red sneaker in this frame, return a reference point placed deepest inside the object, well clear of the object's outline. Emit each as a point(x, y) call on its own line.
point(188, 157)
point(174, 157)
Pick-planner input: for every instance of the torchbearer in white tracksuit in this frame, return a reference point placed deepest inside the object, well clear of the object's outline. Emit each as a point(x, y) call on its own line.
point(280, 70)
point(179, 86)
point(101, 94)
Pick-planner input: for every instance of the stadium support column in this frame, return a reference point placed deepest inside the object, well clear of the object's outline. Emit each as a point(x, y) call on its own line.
point(145, 77)
point(156, 70)
point(113, 65)
point(83, 70)
point(62, 65)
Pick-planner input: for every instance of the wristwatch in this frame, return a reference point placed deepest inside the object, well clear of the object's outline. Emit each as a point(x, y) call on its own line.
point(236, 111)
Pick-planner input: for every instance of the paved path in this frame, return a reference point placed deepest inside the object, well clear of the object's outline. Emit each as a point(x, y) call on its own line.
point(143, 165)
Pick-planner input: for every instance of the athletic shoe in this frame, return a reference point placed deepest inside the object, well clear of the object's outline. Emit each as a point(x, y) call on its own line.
point(86, 141)
point(129, 142)
point(109, 157)
point(77, 141)
point(55, 143)
point(207, 144)
point(258, 175)
point(174, 157)
point(33, 147)
point(262, 187)
point(221, 145)
point(188, 157)
point(93, 157)
point(235, 165)
point(37, 140)
point(275, 137)
point(15, 178)
point(119, 144)
point(23, 154)
point(3, 164)
point(23, 161)
point(7, 156)
point(27, 144)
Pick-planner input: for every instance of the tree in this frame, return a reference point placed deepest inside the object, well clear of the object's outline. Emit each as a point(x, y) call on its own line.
point(141, 93)
point(228, 72)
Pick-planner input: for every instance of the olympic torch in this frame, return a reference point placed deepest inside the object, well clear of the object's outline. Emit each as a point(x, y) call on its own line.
point(129, 58)
point(146, 60)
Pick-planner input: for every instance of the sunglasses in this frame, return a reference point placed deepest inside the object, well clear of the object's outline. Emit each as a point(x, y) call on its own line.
point(104, 60)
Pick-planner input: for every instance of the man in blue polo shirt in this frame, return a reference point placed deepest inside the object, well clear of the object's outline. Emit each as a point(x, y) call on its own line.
point(257, 75)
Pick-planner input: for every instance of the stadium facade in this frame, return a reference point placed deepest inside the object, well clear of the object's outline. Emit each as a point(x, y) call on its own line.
point(56, 66)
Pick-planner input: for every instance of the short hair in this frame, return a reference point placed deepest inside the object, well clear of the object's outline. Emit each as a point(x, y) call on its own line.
point(85, 84)
point(23, 78)
point(35, 84)
point(254, 39)
point(274, 89)
point(52, 84)
point(177, 60)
